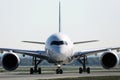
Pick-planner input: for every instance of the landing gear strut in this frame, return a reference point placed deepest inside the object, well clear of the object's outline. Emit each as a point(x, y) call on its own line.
point(83, 61)
point(35, 63)
point(59, 70)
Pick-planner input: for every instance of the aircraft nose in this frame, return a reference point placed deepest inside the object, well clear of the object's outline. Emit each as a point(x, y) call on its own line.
point(60, 50)
point(59, 57)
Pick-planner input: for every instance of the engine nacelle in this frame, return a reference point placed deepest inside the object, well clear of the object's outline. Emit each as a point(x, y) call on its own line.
point(10, 61)
point(109, 60)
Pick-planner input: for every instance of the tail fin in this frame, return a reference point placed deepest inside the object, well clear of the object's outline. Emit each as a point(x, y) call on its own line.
point(59, 16)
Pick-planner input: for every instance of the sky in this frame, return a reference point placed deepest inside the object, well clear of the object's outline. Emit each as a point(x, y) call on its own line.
point(80, 19)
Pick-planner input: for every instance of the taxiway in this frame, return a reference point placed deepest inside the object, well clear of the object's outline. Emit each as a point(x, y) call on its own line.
point(27, 76)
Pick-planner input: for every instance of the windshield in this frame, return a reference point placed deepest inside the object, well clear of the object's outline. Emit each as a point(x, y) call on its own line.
point(58, 43)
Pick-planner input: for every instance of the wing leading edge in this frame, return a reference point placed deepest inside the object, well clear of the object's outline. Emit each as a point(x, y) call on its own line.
point(81, 42)
point(35, 42)
point(39, 54)
point(91, 52)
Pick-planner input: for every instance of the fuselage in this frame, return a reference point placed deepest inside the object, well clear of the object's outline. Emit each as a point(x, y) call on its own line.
point(59, 49)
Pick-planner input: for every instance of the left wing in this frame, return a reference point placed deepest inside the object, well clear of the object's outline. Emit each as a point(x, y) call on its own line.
point(81, 42)
point(39, 54)
point(91, 52)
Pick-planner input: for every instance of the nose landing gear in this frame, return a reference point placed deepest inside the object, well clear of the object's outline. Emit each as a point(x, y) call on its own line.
point(59, 70)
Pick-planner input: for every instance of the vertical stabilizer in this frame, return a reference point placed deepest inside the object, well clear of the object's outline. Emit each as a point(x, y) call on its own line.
point(59, 16)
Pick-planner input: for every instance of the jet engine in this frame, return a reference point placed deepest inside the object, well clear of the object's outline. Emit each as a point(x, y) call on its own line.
point(109, 60)
point(10, 61)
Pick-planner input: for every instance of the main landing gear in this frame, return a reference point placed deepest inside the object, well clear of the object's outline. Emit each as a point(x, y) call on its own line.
point(59, 70)
point(35, 63)
point(83, 61)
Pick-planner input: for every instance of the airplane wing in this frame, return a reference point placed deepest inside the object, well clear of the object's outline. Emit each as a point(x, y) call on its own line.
point(91, 52)
point(35, 42)
point(81, 42)
point(39, 54)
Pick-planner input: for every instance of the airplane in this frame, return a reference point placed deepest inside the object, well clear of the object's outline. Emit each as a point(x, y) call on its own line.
point(58, 51)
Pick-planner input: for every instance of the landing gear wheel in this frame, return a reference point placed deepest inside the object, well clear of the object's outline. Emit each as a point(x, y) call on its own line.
point(56, 71)
point(31, 70)
point(36, 62)
point(80, 70)
point(59, 71)
point(83, 61)
point(88, 70)
point(39, 70)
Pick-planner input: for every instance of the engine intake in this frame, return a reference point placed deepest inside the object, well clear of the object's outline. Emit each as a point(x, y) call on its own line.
point(109, 60)
point(10, 61)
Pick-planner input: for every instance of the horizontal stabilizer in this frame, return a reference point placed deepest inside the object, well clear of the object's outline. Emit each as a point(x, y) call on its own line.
point(34, 42)
point(81, 42)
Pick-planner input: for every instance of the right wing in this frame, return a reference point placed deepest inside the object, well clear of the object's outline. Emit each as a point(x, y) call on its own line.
point(35, 42)
point(39, 54)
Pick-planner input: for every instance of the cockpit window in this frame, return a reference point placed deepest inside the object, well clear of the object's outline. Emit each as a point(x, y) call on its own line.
point(58, 43)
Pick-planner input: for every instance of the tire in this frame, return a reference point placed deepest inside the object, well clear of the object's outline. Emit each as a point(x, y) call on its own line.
point(80, 70)
point(88, 70)
point(39, 70)
point(61, 71)
point(31, 70)
point(57, 71)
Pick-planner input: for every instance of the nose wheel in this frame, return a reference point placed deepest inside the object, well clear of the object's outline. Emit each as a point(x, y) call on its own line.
point(59, 70)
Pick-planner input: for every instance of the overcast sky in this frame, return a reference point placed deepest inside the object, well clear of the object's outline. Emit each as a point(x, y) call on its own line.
point(81, 20)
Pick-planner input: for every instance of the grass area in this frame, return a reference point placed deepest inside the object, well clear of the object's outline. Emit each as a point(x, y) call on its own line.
point(89, 78)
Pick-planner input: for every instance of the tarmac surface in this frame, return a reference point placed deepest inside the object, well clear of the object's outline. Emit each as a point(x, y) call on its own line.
point(27, 76)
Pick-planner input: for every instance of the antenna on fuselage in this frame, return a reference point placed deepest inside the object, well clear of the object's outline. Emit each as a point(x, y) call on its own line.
point(59, 16)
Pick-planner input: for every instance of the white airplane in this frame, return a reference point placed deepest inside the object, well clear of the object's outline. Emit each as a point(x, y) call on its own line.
point(59, 51)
